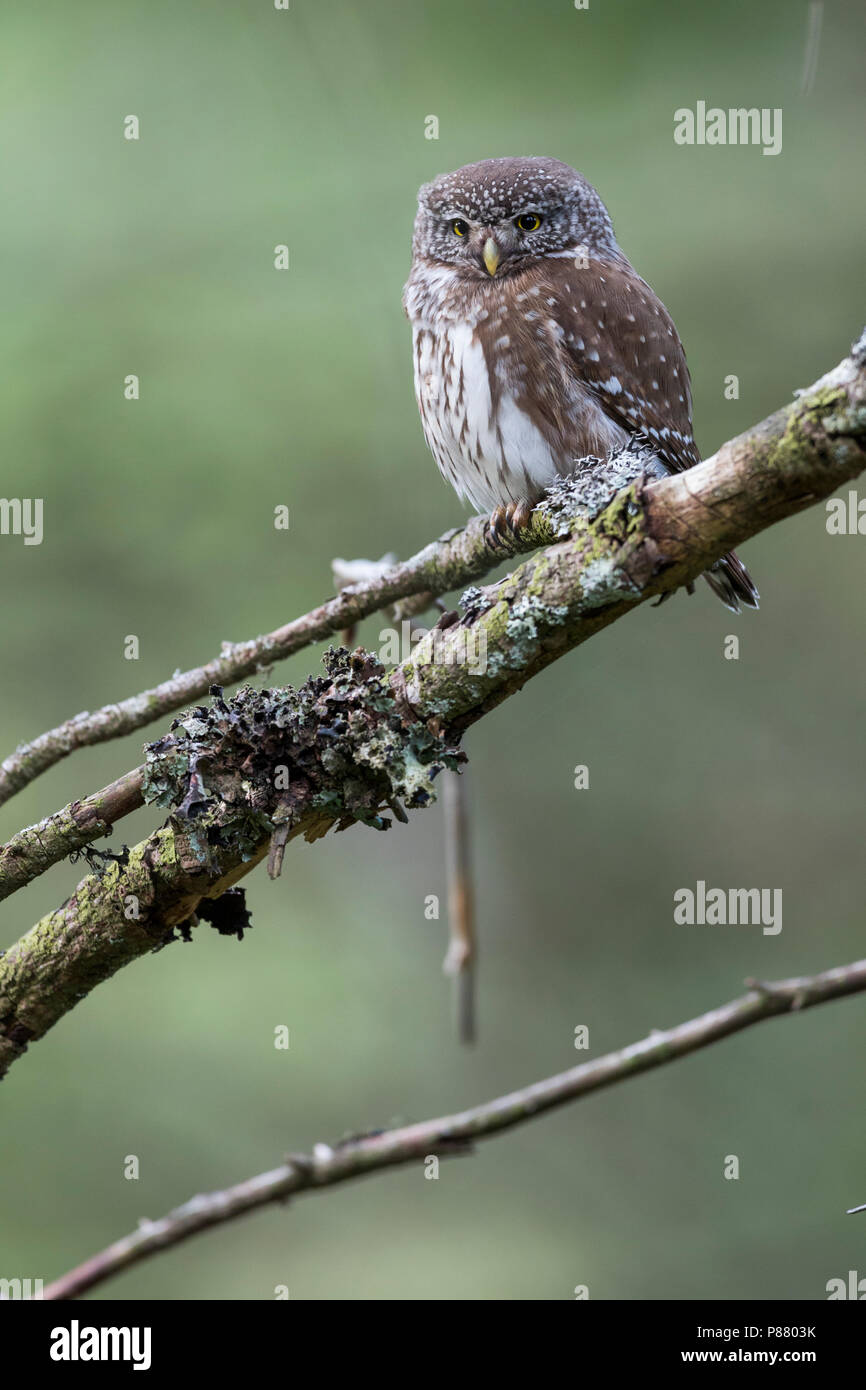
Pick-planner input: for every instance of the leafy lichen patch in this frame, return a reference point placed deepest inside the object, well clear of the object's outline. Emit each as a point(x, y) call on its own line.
point(237, 770)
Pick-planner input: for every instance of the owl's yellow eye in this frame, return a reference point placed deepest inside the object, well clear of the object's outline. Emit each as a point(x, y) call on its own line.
point(529, 222)
point(459, 227)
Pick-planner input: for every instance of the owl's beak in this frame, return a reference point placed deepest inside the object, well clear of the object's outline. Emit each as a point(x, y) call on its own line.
point(491, 255)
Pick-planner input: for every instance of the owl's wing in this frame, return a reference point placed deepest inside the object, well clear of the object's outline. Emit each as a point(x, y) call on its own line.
point(620, 342)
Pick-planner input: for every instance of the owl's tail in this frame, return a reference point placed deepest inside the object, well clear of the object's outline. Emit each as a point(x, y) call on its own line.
point(731, 581)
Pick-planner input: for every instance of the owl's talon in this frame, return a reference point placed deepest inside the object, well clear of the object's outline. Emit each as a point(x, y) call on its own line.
point(505, 525)
point(494, 531)
point(518, 516)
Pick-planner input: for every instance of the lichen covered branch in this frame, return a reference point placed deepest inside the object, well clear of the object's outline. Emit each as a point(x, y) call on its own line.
point(239, 776)
point(354, 744)
point(652, 538)
point(34, 849)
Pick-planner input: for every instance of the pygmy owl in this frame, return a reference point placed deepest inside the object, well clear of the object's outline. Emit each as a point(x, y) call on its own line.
point(537, 344)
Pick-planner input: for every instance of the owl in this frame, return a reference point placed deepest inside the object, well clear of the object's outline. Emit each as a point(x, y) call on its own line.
point(537, 344)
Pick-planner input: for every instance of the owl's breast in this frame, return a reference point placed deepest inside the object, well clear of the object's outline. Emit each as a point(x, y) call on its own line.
point(485, 443)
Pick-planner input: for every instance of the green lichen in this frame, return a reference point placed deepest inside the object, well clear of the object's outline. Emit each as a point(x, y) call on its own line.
point(604, 581)
point(824, 399)
point(851, 420)
point(809, 413)
point(530, 617)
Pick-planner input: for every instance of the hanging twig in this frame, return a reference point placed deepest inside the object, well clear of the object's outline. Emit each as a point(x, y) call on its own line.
point(461, 960)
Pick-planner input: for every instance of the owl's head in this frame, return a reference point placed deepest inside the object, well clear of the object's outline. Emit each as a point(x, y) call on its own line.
point(502, 215)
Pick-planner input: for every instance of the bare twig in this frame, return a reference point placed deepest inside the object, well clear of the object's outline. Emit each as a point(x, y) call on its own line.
point(456, 559)
point(355, 1158)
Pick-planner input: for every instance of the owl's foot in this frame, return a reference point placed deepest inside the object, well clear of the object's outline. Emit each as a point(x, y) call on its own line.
point(495, 529)
point(504, 520)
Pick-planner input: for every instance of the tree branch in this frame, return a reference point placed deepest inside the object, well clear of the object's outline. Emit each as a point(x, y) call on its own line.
point(356, 743)
point(454, 560)
point(455, 1134)
point(33, 850)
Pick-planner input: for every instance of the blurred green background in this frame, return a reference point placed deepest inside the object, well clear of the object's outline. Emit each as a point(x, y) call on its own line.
point(306, 127)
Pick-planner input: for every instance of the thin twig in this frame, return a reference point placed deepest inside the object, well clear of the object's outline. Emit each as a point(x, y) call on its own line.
point(442, 1137)
point(456, 559)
